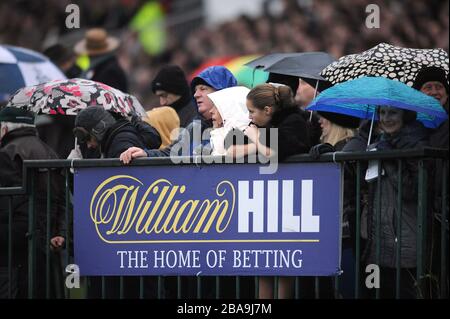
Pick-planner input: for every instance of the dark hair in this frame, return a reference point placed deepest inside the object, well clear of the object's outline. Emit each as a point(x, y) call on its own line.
point(59, 54)
point(171, 78)
point(289, 80)
point(407, 117)
point(278, 97)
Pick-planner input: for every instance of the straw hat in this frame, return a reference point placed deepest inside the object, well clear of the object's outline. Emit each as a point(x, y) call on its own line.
point(96, 41)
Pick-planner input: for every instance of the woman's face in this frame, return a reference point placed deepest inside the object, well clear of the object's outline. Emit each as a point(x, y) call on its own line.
point(259, 117)
point(391, 119)
point(216, 117)
point(325, 125)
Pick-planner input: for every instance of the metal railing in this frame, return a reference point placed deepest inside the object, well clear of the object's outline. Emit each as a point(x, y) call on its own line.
point(220, 287)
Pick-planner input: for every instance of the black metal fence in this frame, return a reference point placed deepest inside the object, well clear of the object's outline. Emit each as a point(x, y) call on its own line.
point(39, 270)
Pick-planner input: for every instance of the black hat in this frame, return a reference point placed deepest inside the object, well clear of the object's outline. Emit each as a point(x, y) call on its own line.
point(58, 54)
point(93, 120)
point(16, 115)
point(172, 79)
point(340, 119)
point(430, 74)
point(289, 80)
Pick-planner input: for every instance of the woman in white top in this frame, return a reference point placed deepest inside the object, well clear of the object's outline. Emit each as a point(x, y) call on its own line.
point(229, 112)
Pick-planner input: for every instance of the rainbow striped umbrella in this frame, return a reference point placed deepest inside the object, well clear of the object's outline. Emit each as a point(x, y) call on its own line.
point(245, 75)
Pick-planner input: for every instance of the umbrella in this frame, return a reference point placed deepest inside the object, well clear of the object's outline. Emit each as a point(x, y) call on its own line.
point(55, 99)
point(244, 75)
point(21, 67)
point(68, 97)
point(306, 66)
point(268, 60)
point(361, 96)
point(386, 60)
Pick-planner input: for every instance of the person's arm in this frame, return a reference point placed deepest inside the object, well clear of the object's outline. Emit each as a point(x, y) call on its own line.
point(252, 133)
point(133, 152)
point(238, 151)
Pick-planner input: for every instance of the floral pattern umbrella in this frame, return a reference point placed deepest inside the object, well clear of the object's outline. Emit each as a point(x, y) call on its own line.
point(385, 60)
point(68, 97)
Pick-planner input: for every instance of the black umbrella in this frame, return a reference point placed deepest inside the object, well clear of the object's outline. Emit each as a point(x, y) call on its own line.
point(386, 60)
point(268, 60)
point(306, 66)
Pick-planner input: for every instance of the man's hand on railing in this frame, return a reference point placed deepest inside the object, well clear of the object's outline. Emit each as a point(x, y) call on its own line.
point(131, 153)
point(57, 243)
point(75, 153)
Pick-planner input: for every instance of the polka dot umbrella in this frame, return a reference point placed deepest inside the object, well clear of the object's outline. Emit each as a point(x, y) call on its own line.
point(385, 60)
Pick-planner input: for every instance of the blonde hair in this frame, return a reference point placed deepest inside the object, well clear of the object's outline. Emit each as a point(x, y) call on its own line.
point(166, 121)
point(336, 134)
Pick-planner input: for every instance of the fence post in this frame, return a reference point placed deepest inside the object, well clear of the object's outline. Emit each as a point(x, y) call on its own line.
point(444, 232)
point(31, 236)
point(421, 228)
point(358, 228)
point(399, 229)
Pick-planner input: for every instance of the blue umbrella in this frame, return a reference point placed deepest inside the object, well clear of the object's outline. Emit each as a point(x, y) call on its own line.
point(361, 96)
point(21, 67)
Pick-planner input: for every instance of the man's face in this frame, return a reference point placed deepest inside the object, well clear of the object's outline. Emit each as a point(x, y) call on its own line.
point(167, 98)
point(305, 94)
point(92, 142)
point(3, 130)
point(435, 89)
point(204, 103)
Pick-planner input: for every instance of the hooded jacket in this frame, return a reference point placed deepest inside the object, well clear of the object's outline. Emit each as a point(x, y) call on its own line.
point(231, 104)
point(124, 134)
point(218, 77)
point(166, 121)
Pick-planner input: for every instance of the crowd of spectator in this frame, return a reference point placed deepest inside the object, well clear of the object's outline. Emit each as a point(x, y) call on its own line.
point(337, 27)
